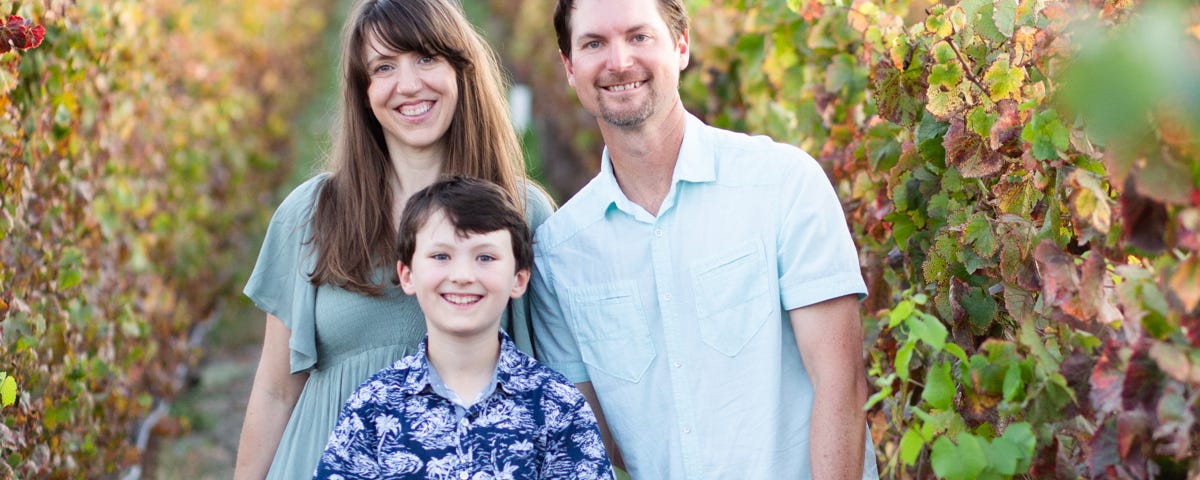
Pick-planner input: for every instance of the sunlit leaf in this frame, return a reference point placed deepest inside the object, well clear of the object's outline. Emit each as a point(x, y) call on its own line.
point(1004, 80)
point(8, 390)
point(910, 446)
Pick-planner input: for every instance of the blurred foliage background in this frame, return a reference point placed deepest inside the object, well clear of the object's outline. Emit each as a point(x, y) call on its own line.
point(1021, 176)
point(142, 144)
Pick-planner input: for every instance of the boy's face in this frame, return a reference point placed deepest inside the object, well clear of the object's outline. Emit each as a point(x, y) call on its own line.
point(462, 284)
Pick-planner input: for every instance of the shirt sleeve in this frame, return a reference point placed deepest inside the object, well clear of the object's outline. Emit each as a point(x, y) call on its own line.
point(279, 284)
point(518, 319)
point(576, 451)
point(554, 340)
point(817, 257)
point(350, 452)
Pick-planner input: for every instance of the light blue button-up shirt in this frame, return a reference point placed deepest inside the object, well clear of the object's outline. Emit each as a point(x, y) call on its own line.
point(680, 320)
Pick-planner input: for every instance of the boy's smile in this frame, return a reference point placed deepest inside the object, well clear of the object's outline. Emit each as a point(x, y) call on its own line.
point(463, 283)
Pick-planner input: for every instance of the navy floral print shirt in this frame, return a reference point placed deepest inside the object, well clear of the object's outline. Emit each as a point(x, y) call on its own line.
point(532, 425)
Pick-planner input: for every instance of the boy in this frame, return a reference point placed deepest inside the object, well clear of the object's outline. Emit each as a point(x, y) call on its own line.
point(467, 404)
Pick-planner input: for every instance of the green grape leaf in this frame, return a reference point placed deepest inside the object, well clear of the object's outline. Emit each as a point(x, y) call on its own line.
point(1014, 385)
point(902, 311)
point(839, 73)
point(1047, 135)
point(1003, 456)
point(958, 462)
point(943, 52)
point(1005, 17)
point(971, 7)
point(980, 121)
point(947, 75)
point(938, 206)
point(903, 229)
point(928, 329)
point(1021, 435)
point(1004, 81)
point(910, 446)
point(939, 387)
point(985, 23)
point(981, 309)
point(903, 357)
point(929, 137)
point(978, 233)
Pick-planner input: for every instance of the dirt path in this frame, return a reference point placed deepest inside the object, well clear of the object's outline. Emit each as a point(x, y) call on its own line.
point(199, 439)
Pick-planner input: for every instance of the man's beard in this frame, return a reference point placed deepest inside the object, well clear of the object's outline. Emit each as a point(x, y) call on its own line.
point(626, 118)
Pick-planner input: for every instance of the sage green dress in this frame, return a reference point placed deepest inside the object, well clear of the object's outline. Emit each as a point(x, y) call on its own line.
point(339, 337)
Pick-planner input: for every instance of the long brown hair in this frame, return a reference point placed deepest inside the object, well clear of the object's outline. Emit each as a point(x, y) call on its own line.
point(353, 231)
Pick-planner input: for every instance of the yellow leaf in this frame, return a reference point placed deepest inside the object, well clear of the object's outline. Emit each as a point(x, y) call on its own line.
point(8, 391)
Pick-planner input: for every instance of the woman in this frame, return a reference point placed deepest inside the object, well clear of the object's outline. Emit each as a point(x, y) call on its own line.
point(422, 98)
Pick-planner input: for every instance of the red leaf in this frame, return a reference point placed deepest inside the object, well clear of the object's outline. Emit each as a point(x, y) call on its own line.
point(1006, 132)
point(967, 152)
point(1075, 369)
point(1143, 380)
point(20, 33)
point(1060, 279)
point(1132, 429)
point(1103, 447)
point(1107, 380)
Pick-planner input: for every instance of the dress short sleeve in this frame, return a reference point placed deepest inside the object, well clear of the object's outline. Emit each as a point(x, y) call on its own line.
point(518, 320)
point(279, 284)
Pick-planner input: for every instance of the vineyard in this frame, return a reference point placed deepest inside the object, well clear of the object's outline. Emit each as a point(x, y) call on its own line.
point(1022, 178)
point(140, 140)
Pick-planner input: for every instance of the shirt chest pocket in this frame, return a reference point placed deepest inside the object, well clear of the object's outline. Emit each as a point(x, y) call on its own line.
point(611, 329)
point(732, 297)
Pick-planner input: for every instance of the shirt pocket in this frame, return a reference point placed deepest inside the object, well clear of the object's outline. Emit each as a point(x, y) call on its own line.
point(611, 329)
point(731, 297)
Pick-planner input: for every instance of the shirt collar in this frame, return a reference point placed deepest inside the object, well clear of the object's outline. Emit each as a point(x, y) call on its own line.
point(421, 376)
point(696, 164)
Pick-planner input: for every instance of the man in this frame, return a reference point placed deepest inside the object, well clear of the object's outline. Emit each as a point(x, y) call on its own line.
point(703, 286)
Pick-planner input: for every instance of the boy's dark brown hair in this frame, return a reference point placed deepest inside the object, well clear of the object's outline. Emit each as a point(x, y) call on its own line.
point(473, 206)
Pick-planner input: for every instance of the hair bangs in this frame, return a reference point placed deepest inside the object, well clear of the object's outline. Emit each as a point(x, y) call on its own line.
point(414, 28)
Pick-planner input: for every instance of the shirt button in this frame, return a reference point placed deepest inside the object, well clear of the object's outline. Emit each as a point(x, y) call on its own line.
point(465, 422)
point(676, 364)
point(463, 475)
point(658, 232)
point(667, 297)
point(687, 430)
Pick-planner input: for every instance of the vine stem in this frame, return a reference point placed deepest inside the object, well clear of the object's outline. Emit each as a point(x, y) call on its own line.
point(966, 67)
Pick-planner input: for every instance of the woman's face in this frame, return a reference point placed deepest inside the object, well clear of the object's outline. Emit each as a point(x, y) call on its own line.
point(413, 96)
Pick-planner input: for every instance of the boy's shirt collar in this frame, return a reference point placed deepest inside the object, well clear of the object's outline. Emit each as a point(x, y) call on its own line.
point(423, 377)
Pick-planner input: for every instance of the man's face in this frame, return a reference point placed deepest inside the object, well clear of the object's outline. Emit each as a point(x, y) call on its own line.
point(624, 64)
